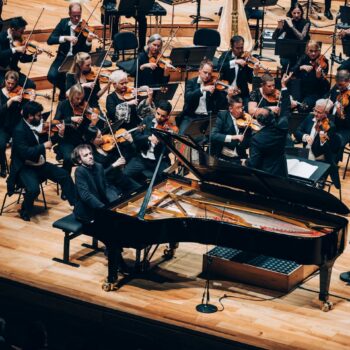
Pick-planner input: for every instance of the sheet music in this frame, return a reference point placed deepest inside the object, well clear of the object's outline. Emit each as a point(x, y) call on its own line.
point(300, 169)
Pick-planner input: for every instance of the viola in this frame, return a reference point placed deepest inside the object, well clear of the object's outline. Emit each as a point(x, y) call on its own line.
point(31, 48)
point(85, 30)
point(247, 121)
point(27, 93)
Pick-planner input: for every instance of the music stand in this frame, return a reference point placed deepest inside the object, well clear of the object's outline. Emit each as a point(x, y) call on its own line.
point(263, 4)
point(289, 48)
point(199, 127)
point(96, 60)
point(135, 7)
point(197, 17)
point(167, 95)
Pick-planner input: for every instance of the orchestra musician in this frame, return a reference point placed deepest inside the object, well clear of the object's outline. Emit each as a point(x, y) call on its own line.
point(317, 132)
point(267, 146)
point(28, 161)
point(69, 42)
point(111, 160)
point(229, 141)
point(13, 50)
point(340, 97)
point(93, 191)
point(141, 20)
point(201, 96)
point(10, 114)
point(149, 147)
point(293, 27)
point(70, 113)
point(235, 69)
point(312, 69)
point(150, 72)
point(266, 96)
point(82, 73)
point(327, 8)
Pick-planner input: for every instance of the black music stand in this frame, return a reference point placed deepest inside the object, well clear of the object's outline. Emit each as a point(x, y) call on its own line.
point(96, 60)
point(200, 128)
point(263, 4)
point(167, 95)
point(289, 48)
point(197, 17)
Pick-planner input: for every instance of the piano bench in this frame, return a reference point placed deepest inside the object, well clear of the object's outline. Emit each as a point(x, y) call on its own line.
point(72, 228)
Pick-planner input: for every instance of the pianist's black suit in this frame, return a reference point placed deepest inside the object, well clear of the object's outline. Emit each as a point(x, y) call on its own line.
point(223, 127)
point(26, 147)
point(9, 59)
point(267, 148)
point(63, 29)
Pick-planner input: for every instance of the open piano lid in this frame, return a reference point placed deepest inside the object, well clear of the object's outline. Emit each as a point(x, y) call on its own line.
point(211, 170)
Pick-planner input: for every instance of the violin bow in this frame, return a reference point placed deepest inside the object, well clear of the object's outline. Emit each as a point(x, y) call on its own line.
point(114, 137)
point(32, 31)
point(167, 43)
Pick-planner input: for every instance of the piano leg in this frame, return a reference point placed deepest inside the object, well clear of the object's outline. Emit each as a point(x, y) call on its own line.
point(325, 279)
point(110, 283)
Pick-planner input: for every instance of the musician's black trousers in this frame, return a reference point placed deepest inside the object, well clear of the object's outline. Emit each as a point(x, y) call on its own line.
point(4, 139)
point(56, 78)
point(29, 84)
point(65, 150)
point(327, 4)
point(31, 177)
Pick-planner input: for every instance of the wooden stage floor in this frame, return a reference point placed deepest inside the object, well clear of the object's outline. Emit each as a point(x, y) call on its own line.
point(254, 316)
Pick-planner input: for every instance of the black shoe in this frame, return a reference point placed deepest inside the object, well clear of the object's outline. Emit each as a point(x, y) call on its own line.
point(345, 277)
point(328, 14)
point(24, 215)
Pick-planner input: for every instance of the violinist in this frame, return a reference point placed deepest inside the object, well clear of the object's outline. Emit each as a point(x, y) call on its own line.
point(229, 141)
point(201, 97)
point(149, 147)
point(235, 69)
point(28, 161)
point(69, 43)
point(293, 27)
point(312, 69)
point(69, 112)
point(267, 146)
point(111, 161)
point(13, 50)
point(82, 73)
point(150, 73)
point(266, 96)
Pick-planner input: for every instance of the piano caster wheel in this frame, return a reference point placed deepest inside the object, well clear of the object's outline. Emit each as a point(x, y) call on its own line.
point(109, 286)
point(327, 306)
point(169, 253)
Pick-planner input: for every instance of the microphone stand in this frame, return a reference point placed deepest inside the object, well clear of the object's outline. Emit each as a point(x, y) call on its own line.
point(198, 17)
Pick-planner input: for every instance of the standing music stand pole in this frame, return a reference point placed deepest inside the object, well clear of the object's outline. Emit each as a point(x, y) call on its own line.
point(198, 17)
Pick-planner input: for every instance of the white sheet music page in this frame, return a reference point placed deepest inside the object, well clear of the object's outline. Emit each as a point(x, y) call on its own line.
point(300, 169)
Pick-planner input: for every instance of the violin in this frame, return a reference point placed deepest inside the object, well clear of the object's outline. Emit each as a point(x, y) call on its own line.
point(85, 30)
point(247, 121)
point(103, 76)
point(31, 48)
point(162, 62)
point(323, 125)
point(54, 129)
point(320, 62)
point(167, 126)
point(251, 60)
point(343, 98)
point(27, 93)
point(273, 98)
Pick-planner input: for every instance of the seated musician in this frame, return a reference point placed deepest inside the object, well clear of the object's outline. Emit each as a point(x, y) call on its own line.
point(121, 104)
point(266, 96)
point(141, 20)
point(312, 69)
point(13, 50)
point(69, 42)
point(10, 114)
point(229, 141)
point(110, 158)
point(340, 97)
point(327, 8)
point(201, 98)
point(70, 112)
point(317, 133)
point(293, 27)
point(149, 146)
point(267, 146)
point(93, 191)
point(150, 73)
point(235, 69)
point(82, 73)
point(344, 35)
point(29, 165)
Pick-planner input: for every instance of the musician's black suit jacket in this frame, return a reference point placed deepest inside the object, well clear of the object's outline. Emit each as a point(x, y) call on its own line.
point(7, 58)
point(93, 192)
point(223, 127)
point(24, 147)
point(63, 29)
point(245, 74)
point(267, 146)
point(193, 94)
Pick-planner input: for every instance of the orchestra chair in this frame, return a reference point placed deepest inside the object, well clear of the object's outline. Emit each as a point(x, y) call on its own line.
point(346, 151)
point(20, 190)
point(72, 228)
point(255, 13)
point(122, 42)
point(207, 37)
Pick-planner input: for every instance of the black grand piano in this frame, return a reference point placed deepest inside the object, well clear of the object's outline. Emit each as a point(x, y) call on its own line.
point(231, 206)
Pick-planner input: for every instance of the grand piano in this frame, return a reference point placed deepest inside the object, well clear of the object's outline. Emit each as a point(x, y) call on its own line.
point(231, 206)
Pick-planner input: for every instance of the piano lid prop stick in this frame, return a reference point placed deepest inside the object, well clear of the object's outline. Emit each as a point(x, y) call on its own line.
point(180, 207)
